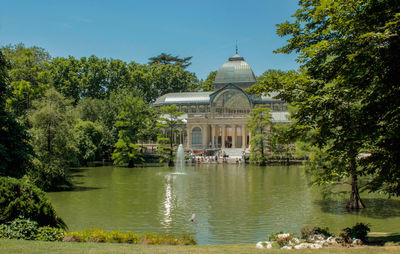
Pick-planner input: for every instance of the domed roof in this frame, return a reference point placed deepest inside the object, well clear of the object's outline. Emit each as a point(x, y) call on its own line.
point(235, 71)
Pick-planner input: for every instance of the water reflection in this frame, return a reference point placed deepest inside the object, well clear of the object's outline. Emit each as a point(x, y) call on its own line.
point(232, 203)
point(167, 202)
point(378, 208)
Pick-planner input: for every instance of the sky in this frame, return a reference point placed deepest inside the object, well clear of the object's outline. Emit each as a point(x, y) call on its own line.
point(137, 30)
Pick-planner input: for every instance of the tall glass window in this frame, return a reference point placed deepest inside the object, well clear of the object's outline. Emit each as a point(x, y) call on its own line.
point(231, 101)
point(196, 136)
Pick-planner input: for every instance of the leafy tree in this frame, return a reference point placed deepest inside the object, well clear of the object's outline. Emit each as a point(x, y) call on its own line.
point(103, 113)
point(169, 59)
point(66, 76)
point(348, 91)
point(4, 81)
point(22, 199)
point(282, 139)
point(28, 73)
point(88, 137)
point(206, 85)
point(53, 140)
point(89, 109)
point(51, 121)
point(15, 150)
point(52, 175)
point(117, 74)
point(158, 79)
point(133, 116)
point(88, 77)
point(259, 124)
point(169, 120)
point(164, 149)
point(94, 79)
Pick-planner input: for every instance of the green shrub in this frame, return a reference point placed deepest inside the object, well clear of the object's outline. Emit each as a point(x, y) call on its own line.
point(130, 237)
point(115, 237)
point(308, 231)
point(98, 235)
point(29, 230)
point(18, 198)
point(50, 174)
point(19, 229)
point(187, 239)
point(49, 234)
point(358, 231)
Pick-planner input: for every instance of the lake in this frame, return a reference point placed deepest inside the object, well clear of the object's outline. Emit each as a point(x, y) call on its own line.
point(232, 203)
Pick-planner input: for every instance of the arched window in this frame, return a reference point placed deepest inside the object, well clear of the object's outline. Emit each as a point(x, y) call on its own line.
point(196, 136)
point(231, 98)
point(231, 101)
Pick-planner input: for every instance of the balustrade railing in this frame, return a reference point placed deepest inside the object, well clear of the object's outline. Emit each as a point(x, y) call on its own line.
point(218, 115)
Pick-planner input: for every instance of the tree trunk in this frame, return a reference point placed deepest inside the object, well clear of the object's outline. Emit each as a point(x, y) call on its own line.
point(263, 161)
point(49, 139)
point(287, 155)
point(355, 201)
point(171, 159)
point(131, 164)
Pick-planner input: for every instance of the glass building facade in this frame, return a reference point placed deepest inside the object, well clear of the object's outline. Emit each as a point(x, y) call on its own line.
point(218, 119)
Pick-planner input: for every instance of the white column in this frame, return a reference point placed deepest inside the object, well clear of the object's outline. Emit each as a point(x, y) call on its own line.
point(217, 135)
point(234, 136)
point(189, 136)
point(223, 136)
point(204, 135)
point(249, 139)
point(244, 136)
point(213, 135)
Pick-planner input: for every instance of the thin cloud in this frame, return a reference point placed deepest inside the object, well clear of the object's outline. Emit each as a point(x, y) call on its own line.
point(66, 25)
point(82, 19)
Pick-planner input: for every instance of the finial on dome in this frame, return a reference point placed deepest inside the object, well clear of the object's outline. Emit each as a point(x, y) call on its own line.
point(236, 48)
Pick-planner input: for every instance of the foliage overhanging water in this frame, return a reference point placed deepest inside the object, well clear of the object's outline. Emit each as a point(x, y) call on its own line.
point(232, 203)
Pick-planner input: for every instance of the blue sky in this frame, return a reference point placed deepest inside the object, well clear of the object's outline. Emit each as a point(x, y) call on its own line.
point(136, 30)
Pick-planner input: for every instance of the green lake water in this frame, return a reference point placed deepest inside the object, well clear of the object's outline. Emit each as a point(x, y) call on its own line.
point(231, 203)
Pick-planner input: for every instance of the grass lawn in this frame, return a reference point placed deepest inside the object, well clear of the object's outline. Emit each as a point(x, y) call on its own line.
point(22, 246)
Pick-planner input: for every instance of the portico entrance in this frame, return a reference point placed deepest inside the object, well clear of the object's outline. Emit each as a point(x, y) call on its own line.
point(220, 136)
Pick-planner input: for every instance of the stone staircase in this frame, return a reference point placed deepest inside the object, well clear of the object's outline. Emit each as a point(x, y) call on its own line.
point(233, 153)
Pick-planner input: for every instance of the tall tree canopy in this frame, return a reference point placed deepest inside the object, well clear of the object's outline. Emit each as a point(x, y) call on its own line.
point(91, 77)
point(53, 140)
point(133, 121)
point(259, 124)
point(349, 88)
point(169, 59)
point(206, 85)
point(15, 151)
point(158, 79)
point(28, 73)
point(97, 78)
